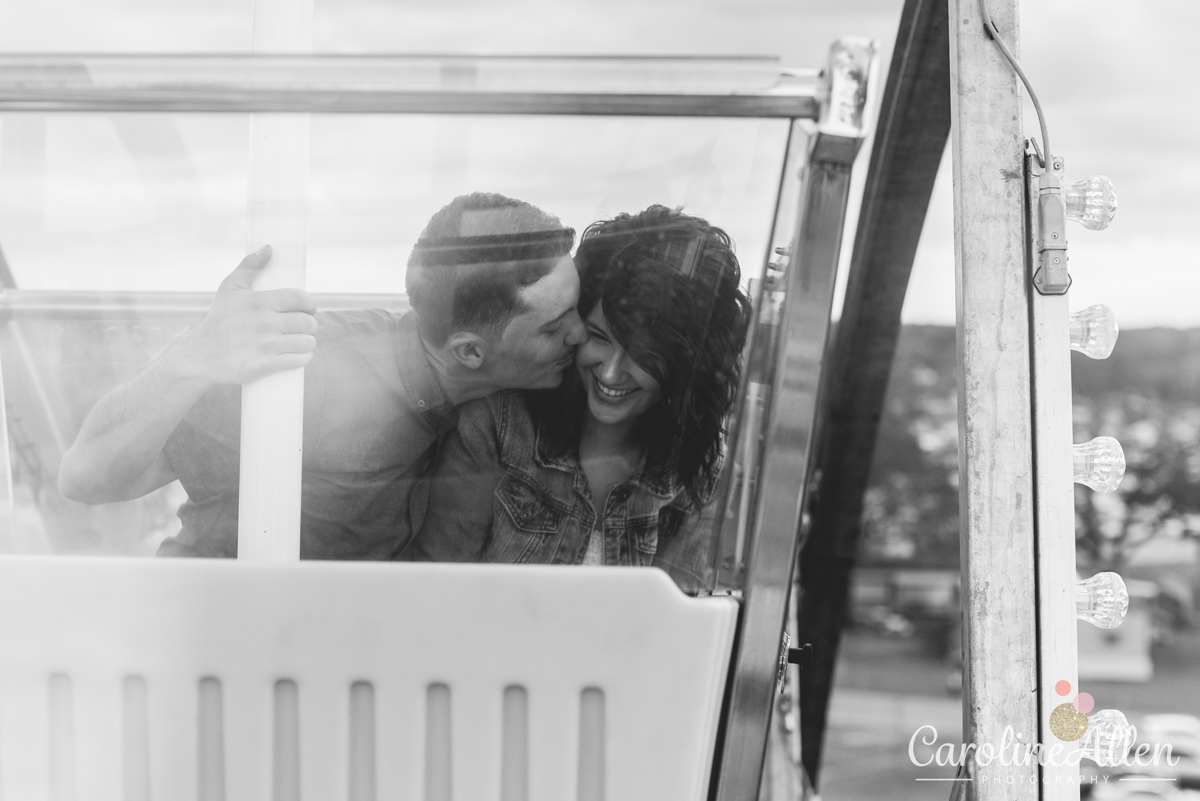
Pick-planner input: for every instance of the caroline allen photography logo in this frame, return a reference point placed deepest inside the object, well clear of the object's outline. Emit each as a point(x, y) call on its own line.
point(1106, 739)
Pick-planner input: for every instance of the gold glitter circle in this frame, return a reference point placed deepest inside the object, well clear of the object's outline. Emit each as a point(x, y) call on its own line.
point(1067, 724)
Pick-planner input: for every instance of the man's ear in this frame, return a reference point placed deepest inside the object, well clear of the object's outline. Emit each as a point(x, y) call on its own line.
point(468, 348)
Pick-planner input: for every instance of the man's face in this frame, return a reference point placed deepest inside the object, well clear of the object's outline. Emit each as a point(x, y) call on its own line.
point(540, 343)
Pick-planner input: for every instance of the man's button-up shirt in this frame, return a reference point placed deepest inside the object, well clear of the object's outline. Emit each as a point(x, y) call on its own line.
point(373, 416)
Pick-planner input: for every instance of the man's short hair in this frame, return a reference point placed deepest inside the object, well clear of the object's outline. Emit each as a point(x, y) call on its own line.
point(474, 257)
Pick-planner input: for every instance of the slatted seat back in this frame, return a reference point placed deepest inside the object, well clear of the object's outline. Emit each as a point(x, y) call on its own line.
point(176, 680)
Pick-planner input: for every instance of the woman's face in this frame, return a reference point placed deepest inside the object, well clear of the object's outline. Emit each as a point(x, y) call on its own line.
point(618, 390)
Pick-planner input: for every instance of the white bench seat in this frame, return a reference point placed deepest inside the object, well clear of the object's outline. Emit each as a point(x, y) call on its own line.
point(358, 681)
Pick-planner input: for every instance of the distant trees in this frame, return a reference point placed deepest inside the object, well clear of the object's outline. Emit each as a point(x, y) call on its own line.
point(1160, 494)
point(1146, 395)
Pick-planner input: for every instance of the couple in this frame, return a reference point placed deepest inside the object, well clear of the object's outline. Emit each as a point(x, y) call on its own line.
point(494, 296)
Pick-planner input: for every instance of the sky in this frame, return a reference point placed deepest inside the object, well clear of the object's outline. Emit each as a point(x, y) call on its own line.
point(1117, 80)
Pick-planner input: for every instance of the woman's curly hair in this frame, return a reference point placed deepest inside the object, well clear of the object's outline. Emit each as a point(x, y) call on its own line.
point(669, 285)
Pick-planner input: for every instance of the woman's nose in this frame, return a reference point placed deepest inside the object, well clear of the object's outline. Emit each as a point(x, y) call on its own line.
point(612, 371)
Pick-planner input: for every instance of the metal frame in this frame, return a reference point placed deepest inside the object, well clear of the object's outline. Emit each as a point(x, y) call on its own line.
point(735, 516)
point(910, 139)
point(1058, 654)
point(782, 482)
point(658, 87)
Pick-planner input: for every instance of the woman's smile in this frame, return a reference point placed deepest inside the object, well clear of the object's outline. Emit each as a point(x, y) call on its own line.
point(612, 392)
point(618, 389)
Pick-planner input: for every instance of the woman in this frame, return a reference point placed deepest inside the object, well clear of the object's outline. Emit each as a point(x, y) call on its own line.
point(617, 465)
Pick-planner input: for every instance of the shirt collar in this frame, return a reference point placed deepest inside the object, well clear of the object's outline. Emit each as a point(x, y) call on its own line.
point(419, 380)
point(663, 487)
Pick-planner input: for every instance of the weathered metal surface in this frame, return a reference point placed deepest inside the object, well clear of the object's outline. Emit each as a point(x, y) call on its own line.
point(995, 436)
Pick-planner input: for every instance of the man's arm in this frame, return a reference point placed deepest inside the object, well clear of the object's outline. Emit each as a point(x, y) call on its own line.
point(458, 521)
point(118, 453)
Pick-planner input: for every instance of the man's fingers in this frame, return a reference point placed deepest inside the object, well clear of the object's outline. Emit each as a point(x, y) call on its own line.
point(246, 271)
point(291, 300)
point(290, 361)
point(297, 343)
point(297, 323)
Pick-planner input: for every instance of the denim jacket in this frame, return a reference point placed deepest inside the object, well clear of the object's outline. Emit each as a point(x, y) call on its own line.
point(497, 495)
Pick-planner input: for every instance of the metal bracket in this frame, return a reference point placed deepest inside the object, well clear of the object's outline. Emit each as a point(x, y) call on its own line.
point(785, 649)
point(800, 657)
point(1051, 277)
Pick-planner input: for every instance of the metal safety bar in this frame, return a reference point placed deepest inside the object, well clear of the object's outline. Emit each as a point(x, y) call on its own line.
point(689, 87)
point(33, 304)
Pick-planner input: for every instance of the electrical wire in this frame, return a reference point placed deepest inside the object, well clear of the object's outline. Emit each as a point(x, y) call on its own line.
point(993, 33)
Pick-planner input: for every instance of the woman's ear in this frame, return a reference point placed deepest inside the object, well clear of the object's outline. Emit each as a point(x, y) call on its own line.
point(468, 348)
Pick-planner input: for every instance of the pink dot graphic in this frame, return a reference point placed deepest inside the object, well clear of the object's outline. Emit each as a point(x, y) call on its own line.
point(1063, 687)
point(1084, 703)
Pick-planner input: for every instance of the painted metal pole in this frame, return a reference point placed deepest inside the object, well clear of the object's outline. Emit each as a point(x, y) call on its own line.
point(273, 407)
point(995, 430)
point(1050, 327)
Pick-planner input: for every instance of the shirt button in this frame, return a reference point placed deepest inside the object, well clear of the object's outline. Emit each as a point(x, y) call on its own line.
point(421, 404)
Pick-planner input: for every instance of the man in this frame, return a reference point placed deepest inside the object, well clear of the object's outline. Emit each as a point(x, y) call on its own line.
point(493, 290)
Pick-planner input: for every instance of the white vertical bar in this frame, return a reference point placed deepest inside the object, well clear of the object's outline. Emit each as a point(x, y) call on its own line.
point(553, 742)
point(995, 428)
point(97, 699)
point(249, 749)
point(273, 407)
point(477, 714)
point(24, 736)
point(1052, 424)
point(324, 737)
point(400, 739)
point(173, 708)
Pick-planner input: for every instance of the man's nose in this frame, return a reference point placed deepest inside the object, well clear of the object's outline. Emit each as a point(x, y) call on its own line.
point(576, 331)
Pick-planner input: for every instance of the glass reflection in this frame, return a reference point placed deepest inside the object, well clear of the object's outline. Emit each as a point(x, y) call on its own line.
point(116, 230)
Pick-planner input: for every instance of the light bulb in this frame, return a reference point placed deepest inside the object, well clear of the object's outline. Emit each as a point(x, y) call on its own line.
point(1094, 331)
point(1091, 202)
point(1109, 737)
point(1102, 600)
point(1099, 464)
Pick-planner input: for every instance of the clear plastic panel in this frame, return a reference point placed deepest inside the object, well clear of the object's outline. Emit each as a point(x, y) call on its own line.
point(748, 425)
point(116, 228)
